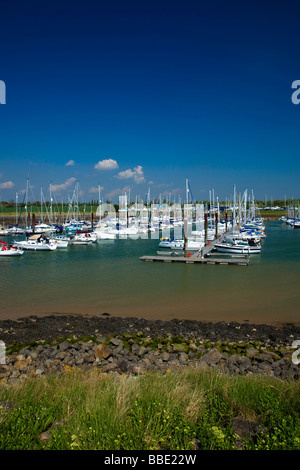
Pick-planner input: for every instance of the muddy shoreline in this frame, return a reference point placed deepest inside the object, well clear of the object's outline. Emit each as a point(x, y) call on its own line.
point(34, 328)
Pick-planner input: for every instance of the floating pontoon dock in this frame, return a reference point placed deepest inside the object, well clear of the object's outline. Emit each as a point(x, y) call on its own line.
point(194, 257)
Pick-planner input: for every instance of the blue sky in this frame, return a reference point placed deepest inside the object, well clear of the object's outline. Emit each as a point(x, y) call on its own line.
point(157, 90)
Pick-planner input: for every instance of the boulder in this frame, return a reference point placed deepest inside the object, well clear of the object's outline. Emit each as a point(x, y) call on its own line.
point(212, 357)
point(180, 347)
point(102, 352)
point(116, 342)
point(122, 364)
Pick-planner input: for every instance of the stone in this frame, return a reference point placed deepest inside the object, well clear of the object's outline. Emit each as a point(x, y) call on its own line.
point(123, 365)
point(21, 364)
point(45, 436)
point(182, 357)
point(165, 356)
point(102, 351)
point(264, 357)
point(63, 346)
point(146, 362)
point(61, 355)
point(251, 352)
point(79, 361)
point(34, 355)
point(244, 427)
point(137, 370)
point(142, 351)
point(124, 352)
point(15, 374)
point(196, 444)
point(212, 357)
point(109, 367)
point(116, 342)
point(180, 347)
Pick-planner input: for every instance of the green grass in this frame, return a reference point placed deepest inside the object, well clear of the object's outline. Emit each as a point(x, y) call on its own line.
point(170, 411)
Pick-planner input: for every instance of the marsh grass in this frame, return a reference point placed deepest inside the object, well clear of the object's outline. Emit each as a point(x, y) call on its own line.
point(187, 409)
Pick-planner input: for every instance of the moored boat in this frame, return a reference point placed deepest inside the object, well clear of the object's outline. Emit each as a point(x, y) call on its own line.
point(240, 248)
point(9, 250)
point(35, 243)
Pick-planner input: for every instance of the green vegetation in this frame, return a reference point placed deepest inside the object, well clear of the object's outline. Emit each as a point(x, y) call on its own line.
point(188, 409)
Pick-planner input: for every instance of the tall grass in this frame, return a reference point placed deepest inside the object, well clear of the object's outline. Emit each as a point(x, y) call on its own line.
point(187, 409)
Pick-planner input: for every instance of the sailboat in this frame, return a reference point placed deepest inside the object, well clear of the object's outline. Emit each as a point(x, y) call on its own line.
point(237, 242)
point(37, 242)
point(59, 242)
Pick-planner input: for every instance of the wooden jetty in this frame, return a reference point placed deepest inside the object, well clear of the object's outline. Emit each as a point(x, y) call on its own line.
point(197, 259)
point(194, 257)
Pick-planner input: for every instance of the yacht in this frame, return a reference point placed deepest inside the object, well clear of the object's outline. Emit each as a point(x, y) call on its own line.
point(36, 243)
point(238, 247)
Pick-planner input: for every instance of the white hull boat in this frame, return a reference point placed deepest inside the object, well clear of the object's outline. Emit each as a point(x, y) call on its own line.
point(9, 250)
point(296, 224)
point(35, 243)
point(105, 236)
point(15, 231)
point(167, 243)
point(195, 244)
point(34, 246)
point(81, 241)
point(60, 242)
point(238, 248)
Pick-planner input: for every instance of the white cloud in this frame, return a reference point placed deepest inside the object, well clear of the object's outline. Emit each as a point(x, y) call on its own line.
point(63, 186)
point(125, 174)
point(136, 174)
point(70, 163)
point(95, 189)
point(117, 192)
point(108, 164)
point(7, 185)
point(113, 193)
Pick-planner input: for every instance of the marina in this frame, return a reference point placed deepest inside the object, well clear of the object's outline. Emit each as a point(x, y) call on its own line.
point(152, 261)
point(109, 276)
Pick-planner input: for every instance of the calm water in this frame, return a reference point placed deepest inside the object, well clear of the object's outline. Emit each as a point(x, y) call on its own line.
point(109, 277)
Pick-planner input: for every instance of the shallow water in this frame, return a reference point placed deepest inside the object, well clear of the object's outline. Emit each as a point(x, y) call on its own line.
point(109, 277)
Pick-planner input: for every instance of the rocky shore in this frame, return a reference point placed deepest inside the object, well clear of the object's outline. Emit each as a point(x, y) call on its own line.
point(114, 345)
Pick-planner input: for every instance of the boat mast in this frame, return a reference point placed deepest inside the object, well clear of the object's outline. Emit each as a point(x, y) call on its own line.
point(99, 203)
point(187, 190)
point(50, 204)
point(245, 206)
point(210, 208)
point(16, 208)
point(42, 205)
point(234, 217)
point(26, 201)
point(77, 204)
